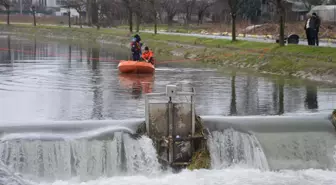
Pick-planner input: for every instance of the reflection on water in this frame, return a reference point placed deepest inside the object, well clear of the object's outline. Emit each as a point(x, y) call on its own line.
point(311, 97)
point(138, 84)
point(9, 55)
point(40, 80)
point(233, 106)
point(97, 90)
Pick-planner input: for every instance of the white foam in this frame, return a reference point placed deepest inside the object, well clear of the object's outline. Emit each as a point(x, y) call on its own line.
point(55, 136)
point(219, 177)
point(335, 155)
point(232, 147)
point(86, 160)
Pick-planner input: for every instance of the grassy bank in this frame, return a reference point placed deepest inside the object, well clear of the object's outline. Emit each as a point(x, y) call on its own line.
point(270, 30)
point(315, 63)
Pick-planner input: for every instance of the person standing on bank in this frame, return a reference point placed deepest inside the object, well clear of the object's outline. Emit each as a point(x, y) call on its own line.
point(306, 29)
point(317, 26)
point(310, 28)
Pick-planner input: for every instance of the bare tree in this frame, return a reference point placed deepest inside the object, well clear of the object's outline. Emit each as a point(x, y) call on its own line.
point(7, 4)
point(67, 4)
point(33, 9)
point(281, 12)
point(89, 12)
point(95, 13)
point(201, 8)
point(171, 8)
point(79, 6)
point(153, 8)
point(138, 8)
point(111, 10)
point(92, 10)
point(187, 8)
point(128, 5)
point(234, 8)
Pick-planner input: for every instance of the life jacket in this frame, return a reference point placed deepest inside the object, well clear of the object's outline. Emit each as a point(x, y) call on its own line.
point(135, 47)
point(147, 55)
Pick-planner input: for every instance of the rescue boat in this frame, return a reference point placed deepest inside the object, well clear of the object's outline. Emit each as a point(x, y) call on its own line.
point(128, 66)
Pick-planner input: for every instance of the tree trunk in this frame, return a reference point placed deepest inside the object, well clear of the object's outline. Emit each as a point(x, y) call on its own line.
point(282, 31)
point(281, 22)
point(94, 12)
point(34, 15)
point(155, 26)
point(69, 17)
point(187, 19)
point(138, 21)
point(80, 20)
point(89, 12)
point(154, 16)
point(234, 28)
point(170, 20)
point(130, 19)
point(7, 8)
point(200, 17)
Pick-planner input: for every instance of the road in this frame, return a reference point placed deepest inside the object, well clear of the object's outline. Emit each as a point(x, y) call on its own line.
point(257, 39)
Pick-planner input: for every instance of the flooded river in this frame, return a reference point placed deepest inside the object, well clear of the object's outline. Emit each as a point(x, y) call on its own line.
point(55, 81)
point(42, 83)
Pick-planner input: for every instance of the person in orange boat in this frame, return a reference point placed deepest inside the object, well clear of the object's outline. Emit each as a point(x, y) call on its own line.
point(136, 48)
point(148, 55)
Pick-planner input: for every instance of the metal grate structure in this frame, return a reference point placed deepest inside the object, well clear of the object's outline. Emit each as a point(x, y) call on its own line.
point(170, 123)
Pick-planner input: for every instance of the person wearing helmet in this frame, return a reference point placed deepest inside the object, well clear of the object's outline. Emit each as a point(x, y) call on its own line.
point(135, 49)
point(137, 37)
point(148, 55)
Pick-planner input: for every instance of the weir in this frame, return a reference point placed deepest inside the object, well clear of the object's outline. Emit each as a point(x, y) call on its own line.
point(62, 150)
point(171, 124)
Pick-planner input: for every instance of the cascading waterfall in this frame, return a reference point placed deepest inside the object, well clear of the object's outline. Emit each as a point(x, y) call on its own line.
point(231, 147)
point(84, 159)
point(9, 178)
point(335, 155)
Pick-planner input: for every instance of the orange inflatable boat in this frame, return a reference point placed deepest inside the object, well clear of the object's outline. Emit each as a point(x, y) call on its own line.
point(135, 67)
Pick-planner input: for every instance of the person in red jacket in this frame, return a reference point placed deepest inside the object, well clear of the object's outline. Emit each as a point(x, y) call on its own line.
point(148, 55)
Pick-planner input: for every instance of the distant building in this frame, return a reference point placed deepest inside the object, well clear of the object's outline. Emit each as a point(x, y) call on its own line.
point(295, 10)
point(57, 7)
point(327, 13)
point(49, 3)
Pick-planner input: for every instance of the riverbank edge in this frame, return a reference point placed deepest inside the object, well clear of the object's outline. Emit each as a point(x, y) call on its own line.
point(218, 33)
point(311, 63)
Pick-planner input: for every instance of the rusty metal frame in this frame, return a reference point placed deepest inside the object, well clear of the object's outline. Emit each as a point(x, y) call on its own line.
point(191, 94)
